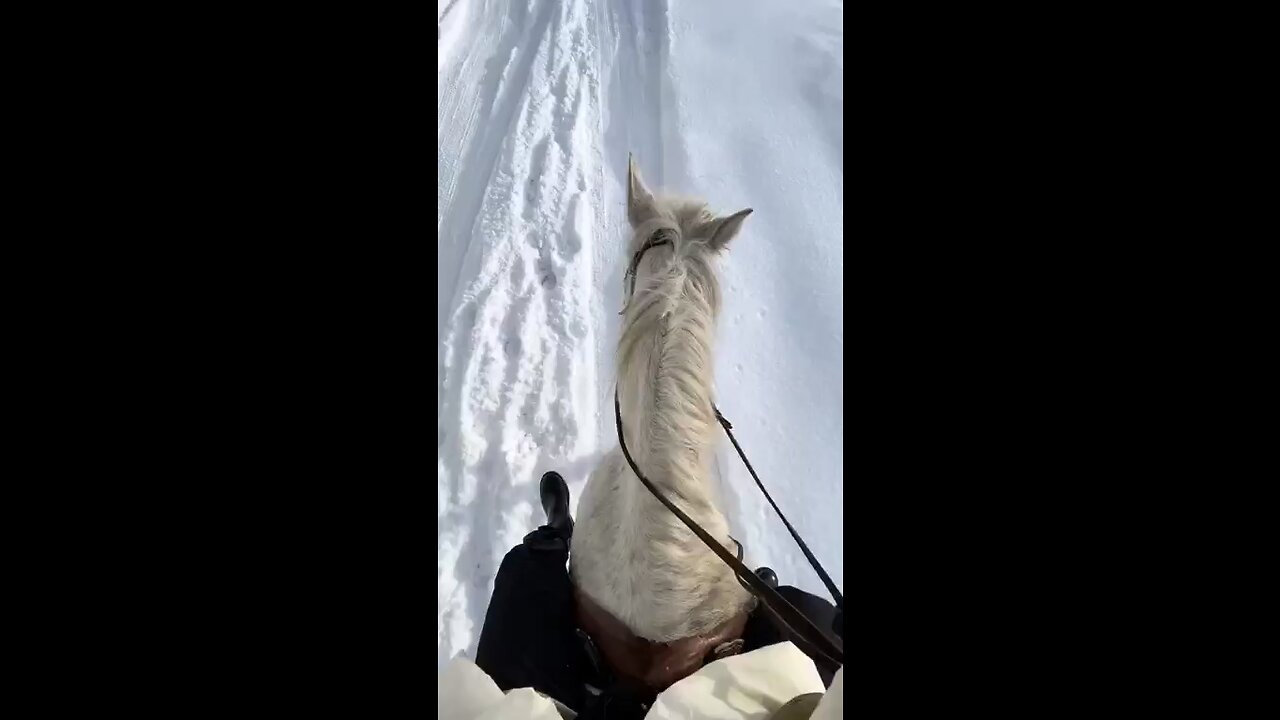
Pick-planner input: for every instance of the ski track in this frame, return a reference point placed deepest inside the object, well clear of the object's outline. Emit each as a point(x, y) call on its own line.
point(518, 351)
point(539, 104)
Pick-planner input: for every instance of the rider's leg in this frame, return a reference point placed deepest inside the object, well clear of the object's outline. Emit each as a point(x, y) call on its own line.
point(528, 636)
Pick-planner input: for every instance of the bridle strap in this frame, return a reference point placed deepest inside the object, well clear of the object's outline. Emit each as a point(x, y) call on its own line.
point(661, 236)
point(813, 561)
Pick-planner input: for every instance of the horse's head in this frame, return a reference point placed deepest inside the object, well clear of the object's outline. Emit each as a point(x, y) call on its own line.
point(694, 225)
point(689, 233)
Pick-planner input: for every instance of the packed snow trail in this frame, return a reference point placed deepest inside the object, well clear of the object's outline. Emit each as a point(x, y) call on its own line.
point(539, 102)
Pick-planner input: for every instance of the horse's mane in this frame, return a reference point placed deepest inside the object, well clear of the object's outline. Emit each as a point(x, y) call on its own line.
point(665, 366)
point(630, 554)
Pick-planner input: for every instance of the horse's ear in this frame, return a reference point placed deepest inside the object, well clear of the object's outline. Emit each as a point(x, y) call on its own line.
point(640, 204)
point(721, 230)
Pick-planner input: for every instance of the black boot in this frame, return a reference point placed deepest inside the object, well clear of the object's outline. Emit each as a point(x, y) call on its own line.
point(555, 503)
point(769, 577)
point(555, 535)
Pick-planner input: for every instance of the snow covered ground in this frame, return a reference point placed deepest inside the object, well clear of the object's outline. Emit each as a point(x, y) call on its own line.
point(740, 102)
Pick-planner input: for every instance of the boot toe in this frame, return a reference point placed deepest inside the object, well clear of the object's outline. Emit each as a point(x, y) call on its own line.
point(555, 503)
point(554, 491)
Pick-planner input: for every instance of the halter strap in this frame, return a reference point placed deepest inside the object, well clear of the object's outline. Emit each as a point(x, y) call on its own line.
point(661, 236)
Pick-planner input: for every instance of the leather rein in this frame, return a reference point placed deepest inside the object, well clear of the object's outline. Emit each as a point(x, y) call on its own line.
point(817, 644)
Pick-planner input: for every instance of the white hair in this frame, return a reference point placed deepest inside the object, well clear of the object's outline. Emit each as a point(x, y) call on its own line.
point(630, 554)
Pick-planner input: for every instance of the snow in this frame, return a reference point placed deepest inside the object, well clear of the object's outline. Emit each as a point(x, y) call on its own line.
point(737, 102)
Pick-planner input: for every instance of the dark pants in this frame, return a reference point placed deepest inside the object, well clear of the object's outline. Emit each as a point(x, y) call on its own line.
point(761, 629)
point(530, 639)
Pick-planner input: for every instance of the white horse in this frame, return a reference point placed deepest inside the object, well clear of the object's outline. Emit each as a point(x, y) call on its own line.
point(630, 554)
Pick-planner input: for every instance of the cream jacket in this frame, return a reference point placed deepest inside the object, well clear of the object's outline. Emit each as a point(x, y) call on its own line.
point(752, 686)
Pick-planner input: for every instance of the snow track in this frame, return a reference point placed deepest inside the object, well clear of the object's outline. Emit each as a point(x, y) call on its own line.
point(520, 190)
point(539, 102)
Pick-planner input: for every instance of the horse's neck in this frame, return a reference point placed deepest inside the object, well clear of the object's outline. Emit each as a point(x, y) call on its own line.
point(665, 383)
